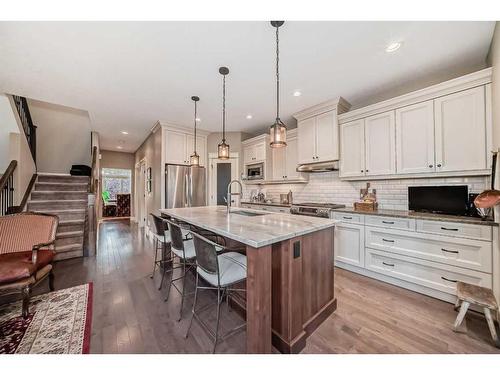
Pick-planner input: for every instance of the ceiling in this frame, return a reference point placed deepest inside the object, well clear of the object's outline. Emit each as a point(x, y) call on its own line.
point(128, 75)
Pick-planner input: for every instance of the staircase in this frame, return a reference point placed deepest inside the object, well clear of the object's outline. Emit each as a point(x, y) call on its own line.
point(66, 197)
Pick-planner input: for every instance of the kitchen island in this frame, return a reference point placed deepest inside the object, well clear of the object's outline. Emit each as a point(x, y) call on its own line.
point(289, 271)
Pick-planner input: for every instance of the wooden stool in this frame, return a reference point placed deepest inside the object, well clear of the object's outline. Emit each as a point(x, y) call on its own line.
point(468, 294)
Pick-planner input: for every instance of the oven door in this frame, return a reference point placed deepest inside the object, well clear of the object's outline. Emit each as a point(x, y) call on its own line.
point(255, 171)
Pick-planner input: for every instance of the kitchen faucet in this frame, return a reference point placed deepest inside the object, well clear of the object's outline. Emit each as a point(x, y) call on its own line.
point(229, 193)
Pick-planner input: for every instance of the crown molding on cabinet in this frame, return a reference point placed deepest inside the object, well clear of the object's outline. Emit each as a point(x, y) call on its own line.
point(184, 129)
point(481, 77)
point(339, 104)
point(259, 138)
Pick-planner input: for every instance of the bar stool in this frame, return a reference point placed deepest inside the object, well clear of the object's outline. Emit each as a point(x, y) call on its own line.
point(468, 294)
point(161, 239)
point(183, 249)
point(221, 269)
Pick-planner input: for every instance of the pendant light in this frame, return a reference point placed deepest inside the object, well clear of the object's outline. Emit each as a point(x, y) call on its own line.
point(223, 147)
point(278, 129)
point(194, 159)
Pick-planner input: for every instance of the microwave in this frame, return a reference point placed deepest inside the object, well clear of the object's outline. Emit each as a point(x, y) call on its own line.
point(255, 171)
point(448, 200)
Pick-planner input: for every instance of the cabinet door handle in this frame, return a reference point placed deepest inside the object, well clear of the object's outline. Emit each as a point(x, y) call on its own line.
point(347, 217)
point(439, 165)
point(450, 251)
point(452, 229)
point(430, 166)
point(386, 240)
point(388, 264)
point(387, 222)
point(450, 280)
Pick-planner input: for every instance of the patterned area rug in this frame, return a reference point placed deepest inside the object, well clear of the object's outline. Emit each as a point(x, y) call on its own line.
point(59, 323)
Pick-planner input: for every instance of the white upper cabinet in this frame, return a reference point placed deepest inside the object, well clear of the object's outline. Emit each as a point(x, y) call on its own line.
point(254, 153)
point(175, 147)
point(291, 159)
point(352, 149)
point(307, 141)
point(327, 137)
point(415, 138)
point(279, 163)
point(442, 130)
point(318, 138)
point(460, 131)
point(180, 145)
point(285, 160)
point(380, 138)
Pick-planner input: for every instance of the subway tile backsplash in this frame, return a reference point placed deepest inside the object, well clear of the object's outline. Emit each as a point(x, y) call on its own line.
point(391, 194)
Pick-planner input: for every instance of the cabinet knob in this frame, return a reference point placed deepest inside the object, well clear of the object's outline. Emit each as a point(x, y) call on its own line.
point(366, 170)
point(439, 165)
point(430, 165)
point(362, 171)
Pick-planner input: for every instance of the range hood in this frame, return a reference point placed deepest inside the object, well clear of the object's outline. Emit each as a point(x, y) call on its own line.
point(326, 166)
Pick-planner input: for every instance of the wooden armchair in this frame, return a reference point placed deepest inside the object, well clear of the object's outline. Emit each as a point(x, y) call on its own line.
point(27, 242)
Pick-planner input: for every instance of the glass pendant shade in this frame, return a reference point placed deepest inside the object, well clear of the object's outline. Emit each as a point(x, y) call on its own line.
point(223, 150)
point(194, 159)
point(278, 134)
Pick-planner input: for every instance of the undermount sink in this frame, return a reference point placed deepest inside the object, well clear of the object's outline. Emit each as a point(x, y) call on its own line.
point(249, 213)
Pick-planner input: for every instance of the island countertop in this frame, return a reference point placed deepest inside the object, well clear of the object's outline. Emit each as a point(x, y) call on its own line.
point(255, 231)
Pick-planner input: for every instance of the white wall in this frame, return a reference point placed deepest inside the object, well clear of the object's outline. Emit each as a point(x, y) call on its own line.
point(63, 136)
point(8, 125)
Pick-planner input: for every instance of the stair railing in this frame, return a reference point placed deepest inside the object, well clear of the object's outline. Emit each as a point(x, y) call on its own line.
point(27, 122)
point(7, 189)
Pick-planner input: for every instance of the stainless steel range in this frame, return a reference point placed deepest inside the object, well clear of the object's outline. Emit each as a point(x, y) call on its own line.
point(315, 209)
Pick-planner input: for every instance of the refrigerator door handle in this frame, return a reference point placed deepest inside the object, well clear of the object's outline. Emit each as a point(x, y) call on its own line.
point(186, 190)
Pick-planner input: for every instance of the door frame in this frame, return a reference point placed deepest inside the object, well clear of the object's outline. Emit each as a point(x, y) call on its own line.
point(234, 159)
point(140, 189)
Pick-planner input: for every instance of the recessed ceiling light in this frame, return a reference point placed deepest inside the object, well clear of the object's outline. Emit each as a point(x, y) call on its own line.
point(249, 117)
point(119, 147)
point(124, 132)
point(393, 46)
point(198, 119)
point(297, 93)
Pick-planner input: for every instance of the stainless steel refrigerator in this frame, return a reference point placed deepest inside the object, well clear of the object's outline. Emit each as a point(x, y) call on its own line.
point(185, 186)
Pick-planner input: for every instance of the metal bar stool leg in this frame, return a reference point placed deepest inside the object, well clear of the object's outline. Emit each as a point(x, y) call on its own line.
point(183, 287)
point(156, 258)
point(218, 320)
point(194, 307)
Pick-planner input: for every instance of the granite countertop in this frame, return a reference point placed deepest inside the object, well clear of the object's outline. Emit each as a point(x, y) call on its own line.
point(267, 204)
point(255, 231)
point(420, 215)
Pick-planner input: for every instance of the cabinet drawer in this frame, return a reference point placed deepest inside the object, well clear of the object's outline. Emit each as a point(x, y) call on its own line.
point(429, 274)
point(460, 252)
point(480, 232)
point(390, 222)
point(349, 218)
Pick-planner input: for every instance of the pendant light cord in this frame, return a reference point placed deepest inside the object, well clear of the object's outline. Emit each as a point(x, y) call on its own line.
point(277, 75)
point(223, 108)
point(195, 117)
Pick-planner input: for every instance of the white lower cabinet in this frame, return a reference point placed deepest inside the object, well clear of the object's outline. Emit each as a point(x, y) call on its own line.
point(349, 244)
point(270, 208)
point(415, 254)
point(425, 273)
point(460, 252)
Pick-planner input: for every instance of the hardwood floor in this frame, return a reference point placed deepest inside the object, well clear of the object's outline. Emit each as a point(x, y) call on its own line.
point(130, 315)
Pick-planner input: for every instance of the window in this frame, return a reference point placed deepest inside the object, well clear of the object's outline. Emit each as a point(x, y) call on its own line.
point(116, 181)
